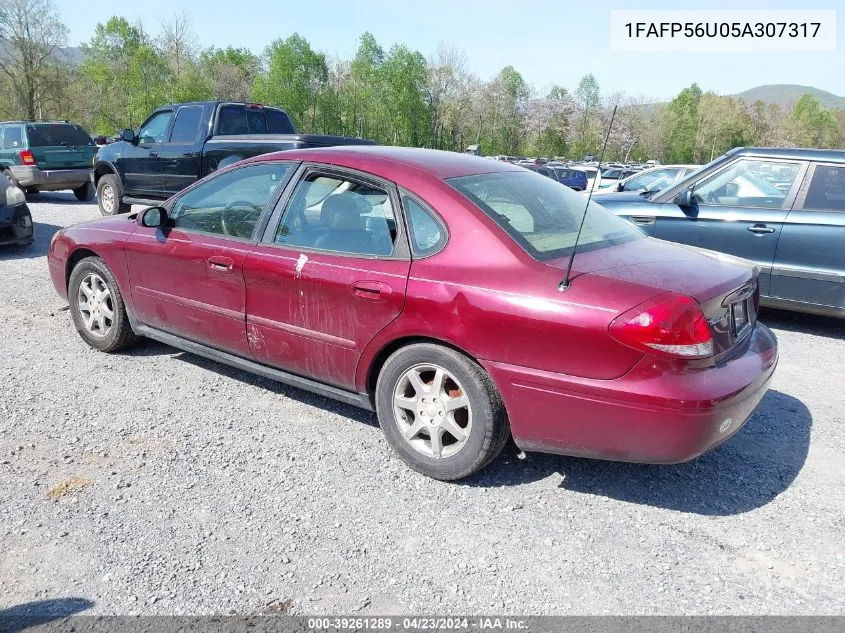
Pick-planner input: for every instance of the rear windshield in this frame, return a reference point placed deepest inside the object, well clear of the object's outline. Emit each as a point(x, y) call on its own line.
point(235, 119)
point(55, 134)
point(542, 215)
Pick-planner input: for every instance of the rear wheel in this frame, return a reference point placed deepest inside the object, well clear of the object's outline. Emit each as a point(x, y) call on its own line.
point(110, 195)
point(440, 411)
point(85, 193)
point(97, 307)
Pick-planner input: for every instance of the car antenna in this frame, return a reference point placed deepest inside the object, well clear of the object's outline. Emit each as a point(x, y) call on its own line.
point(563, 285)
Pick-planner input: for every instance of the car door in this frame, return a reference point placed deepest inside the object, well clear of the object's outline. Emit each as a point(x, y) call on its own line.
point(180, 155)
point(809, 264)
point(187, 279)
point(739, 210)
point(140, 163)
point(330, 274)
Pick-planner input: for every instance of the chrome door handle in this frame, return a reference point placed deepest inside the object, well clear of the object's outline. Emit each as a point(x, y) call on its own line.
point(760, 229)
point(153, 154)
point(221, 264)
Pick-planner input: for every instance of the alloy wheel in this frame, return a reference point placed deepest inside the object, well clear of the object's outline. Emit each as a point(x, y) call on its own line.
point(432, 411)
point(95, 305)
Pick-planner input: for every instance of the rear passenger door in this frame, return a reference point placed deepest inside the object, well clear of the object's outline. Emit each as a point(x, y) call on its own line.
point(809, 264)
point(739, 210)
point(180, 155)
point(330, 274)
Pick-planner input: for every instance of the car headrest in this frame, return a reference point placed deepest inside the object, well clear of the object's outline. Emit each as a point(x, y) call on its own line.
point(344, 210)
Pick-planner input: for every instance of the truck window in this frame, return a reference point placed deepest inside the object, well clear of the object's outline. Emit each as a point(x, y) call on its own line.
point(235, 118)
point(278, 122)
point(155, 129)
point(231, 120)
point(186, 125)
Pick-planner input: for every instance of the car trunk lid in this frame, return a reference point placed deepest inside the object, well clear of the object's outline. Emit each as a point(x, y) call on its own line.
point(724, 286)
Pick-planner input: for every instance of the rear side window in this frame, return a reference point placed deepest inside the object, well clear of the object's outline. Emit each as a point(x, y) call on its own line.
point(239, 119)
point(541, 215)
point(278, 122)
point(827, 189)
point(427, 234)
point(55, 134)
point(186, 126)
point(11, 138)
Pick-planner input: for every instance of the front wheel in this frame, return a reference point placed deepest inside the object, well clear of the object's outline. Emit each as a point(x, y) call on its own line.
point(97, 307)
point(440, 411)
point(110, 196)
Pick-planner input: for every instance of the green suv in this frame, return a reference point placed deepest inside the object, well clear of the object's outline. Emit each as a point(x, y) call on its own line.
point(48, 156)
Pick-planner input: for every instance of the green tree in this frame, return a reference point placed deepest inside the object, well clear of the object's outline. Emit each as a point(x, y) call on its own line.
point(683, 122)
point(127, 74)
point(32, 35)
point(811, 125)
point(295, 75)
point(230, 71)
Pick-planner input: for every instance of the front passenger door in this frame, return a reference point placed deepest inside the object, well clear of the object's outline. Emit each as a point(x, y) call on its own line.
point(738, 210)
point(140, 163)
point(188, 279)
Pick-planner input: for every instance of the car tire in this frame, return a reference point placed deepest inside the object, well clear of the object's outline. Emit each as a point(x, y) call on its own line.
point(85, 193)
point(91, 281)
point(110, 196)
point(412, 417)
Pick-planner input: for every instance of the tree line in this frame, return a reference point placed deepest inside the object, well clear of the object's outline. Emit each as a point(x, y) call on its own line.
point(394, 95)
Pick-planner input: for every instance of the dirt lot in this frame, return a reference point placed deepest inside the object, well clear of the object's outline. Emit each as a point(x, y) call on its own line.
point(157, 482)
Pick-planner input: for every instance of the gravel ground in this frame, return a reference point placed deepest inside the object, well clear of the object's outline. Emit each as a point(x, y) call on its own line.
point(156, 482)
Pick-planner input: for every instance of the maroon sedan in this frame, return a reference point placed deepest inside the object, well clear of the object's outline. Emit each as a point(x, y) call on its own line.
point(426, 286)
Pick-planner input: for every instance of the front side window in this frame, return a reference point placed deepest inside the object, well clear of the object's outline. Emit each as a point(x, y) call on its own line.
point(186, 125)
point(827, 189)
point(231, 203)
point(340, 214)
point(748, 183)
point(155, 129)
point(543, 216)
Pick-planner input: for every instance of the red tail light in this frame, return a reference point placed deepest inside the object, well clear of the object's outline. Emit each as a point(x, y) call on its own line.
point(670, 324)
point(27, 158)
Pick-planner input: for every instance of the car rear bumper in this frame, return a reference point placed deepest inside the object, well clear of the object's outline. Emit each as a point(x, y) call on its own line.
point(659, 412)
point(49, 179)
point(16, 225)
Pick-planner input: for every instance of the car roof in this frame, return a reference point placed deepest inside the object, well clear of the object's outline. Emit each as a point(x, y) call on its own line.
point(791, 152)
point(387, 161)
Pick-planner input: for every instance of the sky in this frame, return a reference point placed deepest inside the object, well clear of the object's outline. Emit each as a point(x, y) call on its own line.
point(548, 41)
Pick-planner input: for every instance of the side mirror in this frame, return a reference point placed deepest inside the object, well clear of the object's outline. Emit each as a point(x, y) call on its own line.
point(685, 198)
point(154, 217)
point(128, 135)
point(619, 187)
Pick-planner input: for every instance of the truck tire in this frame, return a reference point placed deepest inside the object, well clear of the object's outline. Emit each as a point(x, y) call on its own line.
point(85, 193)
point(110, 196)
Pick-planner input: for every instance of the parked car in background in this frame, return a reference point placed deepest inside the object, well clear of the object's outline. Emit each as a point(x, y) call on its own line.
point(543, 171)
point(48, 156)
point(611, 176)
point(651, 179)
point(784, 209)
point(346, 271)
point(179, 144)
point(15, 219)
point(593, 174)
point(573, 178)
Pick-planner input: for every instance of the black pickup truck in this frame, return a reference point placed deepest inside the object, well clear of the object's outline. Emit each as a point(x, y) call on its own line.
point(179, 144)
